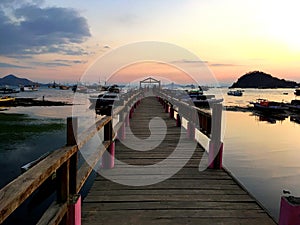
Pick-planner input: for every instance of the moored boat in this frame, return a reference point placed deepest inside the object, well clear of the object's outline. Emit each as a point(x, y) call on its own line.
point(7, 90)
point(269, 106)
point(64, 87)
point(6, 100)
point(235, 93)
point(29, 88)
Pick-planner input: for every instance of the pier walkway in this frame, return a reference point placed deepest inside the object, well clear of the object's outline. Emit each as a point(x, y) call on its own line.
point(188, 197)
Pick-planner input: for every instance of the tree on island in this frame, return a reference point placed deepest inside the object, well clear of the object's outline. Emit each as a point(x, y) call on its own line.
point(258, 79)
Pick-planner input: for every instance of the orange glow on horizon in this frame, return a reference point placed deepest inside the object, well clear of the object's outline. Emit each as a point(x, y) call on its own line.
point(161, 71)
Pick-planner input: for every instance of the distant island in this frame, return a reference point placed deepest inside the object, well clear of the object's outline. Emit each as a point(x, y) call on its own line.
point(258, 79)
point(12, 80)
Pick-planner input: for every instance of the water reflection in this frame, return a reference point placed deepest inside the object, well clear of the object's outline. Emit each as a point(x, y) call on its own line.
point(295, 119)
point(269, 118)
point(263, 156)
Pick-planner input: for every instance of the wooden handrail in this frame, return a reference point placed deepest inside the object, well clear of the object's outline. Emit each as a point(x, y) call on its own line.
point(17, 191)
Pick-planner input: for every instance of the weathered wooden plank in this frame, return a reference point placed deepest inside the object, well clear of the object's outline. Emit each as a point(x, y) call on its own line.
point(178, 213)
point(131, 219)
point(107, 206)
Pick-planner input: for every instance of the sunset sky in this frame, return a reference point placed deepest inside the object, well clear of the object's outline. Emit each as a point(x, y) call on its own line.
point(61, 40)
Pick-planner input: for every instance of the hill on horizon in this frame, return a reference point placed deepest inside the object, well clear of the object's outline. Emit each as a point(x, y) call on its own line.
point(258, 79)
point(13, 80)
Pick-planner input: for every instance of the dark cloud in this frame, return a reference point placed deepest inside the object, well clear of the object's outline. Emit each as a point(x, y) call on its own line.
point(31, 29)
point(8, 65)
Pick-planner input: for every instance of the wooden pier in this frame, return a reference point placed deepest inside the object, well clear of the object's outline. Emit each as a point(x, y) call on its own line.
point(189, 197)
point(126, 192)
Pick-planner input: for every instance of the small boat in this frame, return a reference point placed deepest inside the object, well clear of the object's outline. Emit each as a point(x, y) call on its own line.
point(6, 100)
point(235, 93)
point(54, 85)
point(269, 106)
point(295, 105)
point(64, 87)
point(297, 92)
point(199, 99)
point(29, 88)
point(7, 90)
point(105, 103)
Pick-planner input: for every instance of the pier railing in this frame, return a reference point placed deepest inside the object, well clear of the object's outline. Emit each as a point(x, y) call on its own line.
point(198, 122)
point(63, 165)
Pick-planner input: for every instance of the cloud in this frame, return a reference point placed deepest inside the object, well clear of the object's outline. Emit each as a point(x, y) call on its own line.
point(71, 61)
point(30, 29)
point(8, 65)
point(222, 64)
point(59, 63)
point(189, 61)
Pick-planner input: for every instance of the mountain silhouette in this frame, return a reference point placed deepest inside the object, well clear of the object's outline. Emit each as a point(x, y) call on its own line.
point(258, 79)
point(12, 80)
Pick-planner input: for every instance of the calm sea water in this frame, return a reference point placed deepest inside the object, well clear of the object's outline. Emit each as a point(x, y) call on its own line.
point(263, 153)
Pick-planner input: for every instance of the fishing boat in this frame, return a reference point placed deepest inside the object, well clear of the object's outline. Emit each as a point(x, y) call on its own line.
point(297, 92)
point(64, 87)
point(29, 88)
point(235, 93)
point(199, 99)
point(105, 103)
point(7, 90)
point(6, 100)
point(269, 106)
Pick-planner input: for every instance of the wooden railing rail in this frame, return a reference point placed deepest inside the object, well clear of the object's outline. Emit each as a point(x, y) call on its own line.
point(206, 121)
point(63, 163)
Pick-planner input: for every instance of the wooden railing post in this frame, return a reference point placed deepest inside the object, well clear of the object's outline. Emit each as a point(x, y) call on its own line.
point(178, 120)
point(108, 157)
point(171, 114)
point(74, 200)
point(166, 107)
point(72, 128)
point(215, 144)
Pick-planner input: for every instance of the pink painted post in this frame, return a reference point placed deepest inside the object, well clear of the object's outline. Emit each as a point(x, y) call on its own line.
point(289, 211)
point(108, 158)
point(74, 210)
point(215, 155)
point(178, 121)
point(112, 155)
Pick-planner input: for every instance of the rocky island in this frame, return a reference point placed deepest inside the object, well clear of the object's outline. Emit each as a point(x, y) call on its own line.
point(258, 79)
